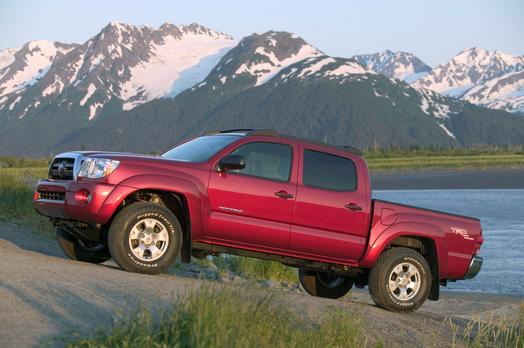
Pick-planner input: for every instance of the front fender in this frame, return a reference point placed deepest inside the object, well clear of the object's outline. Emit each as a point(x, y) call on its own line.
point(382, 235)
point(193, 195)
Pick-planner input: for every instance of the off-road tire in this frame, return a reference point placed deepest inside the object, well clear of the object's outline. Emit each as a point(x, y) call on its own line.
point(378, 280)
point(312, 282)
point(118, 238)
point(79, 250)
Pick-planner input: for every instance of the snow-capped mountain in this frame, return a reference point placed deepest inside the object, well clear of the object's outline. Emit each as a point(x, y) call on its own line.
point(132, 88)
point(399, 65)
point(21, 68)
point(337, 100)
point(259, 57)
point(123, 66)
point(488, 78)
point(505, 92)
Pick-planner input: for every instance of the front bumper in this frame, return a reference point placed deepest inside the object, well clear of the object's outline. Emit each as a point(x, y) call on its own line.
point(474, 267)
point(64, 205)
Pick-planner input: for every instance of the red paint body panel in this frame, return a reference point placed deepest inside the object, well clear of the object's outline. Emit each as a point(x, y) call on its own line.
point(240, 211)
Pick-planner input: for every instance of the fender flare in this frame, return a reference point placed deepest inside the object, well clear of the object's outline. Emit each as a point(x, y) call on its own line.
point(412, 229)
point(192, 194)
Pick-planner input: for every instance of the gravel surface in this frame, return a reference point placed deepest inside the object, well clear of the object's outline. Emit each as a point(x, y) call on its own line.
point(45, 299)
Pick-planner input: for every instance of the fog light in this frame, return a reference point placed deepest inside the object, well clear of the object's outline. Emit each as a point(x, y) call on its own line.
point(83, 196)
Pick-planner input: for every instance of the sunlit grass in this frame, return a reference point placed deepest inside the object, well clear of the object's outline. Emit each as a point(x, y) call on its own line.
point(229, 318)
point(491, 333)
point(250, 268)
point(16, 198)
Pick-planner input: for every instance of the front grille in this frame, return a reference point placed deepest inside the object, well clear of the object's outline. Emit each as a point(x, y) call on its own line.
point(53, 196)
point(62, 169)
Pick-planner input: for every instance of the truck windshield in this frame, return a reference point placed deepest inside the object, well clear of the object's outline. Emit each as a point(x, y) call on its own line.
point(200, 149)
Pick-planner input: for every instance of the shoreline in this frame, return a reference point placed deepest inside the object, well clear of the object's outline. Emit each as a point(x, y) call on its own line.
point(449, 179)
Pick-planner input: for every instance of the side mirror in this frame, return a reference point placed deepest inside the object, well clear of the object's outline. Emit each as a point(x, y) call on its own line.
point(232, 162)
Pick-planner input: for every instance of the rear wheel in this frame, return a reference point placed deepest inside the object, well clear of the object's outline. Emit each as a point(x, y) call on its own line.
point(79, 250)
point(145, 238)
point(323, 284)
point(400, 281)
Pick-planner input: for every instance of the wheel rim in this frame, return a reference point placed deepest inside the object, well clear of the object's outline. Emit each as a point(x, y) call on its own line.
point(148, 239)
point(329, 280)
point(404, 281)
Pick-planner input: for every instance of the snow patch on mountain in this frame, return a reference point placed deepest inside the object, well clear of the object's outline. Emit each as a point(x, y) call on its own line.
point(7, 57)
point(174, 65)
point(90, 90)
point(488, 78)
point(267, 67)
point(447, 131)
point(505, 92)
point(398, 65)
point(29, 64)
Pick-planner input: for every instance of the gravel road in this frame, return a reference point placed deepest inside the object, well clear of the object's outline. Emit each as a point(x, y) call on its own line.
point(45, 298)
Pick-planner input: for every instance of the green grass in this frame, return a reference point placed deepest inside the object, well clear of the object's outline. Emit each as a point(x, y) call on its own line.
point(16, 198)
point(491, 333)
point(250, 268)
point(451, 158)
point(21, 162)
point(229, 318)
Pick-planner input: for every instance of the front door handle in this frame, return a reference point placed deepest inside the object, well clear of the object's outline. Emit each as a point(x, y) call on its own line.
point(283, 194)
point(353, 207)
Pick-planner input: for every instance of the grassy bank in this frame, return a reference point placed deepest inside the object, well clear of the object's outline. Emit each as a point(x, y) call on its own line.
point(229, 318)
point(452, 158)
point(490, 333)
point(16, 198)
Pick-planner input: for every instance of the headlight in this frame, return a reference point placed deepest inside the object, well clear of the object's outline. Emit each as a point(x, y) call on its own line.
point(95, 168)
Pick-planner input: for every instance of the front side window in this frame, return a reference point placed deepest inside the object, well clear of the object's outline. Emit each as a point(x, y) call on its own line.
point(266, 160)
point(200, 149)
point(328, 171)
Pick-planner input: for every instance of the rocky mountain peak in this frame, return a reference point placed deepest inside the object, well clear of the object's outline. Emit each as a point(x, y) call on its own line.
point(400, 65)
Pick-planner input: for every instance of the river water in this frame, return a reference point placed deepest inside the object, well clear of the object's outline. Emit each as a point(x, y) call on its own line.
point(502, 216)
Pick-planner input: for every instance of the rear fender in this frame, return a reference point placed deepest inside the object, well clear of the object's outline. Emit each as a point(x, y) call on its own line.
point(412, 229)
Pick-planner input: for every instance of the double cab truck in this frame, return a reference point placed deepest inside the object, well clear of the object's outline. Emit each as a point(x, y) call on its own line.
point(261, 194)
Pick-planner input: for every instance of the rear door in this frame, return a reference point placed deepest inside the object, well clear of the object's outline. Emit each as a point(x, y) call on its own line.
point(253, 206)
point(332, 206)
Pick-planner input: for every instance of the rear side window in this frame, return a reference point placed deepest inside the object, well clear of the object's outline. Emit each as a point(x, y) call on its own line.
point(329, 172)
point(266, 160)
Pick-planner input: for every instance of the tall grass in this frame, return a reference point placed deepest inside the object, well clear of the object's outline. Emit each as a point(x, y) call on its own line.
point(255, 269)
point(16, 199)
point(229, 318)
point(491, 333)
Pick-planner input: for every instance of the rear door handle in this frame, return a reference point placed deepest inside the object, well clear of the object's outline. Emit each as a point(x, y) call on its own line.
point(283, 194)
point(353, 207)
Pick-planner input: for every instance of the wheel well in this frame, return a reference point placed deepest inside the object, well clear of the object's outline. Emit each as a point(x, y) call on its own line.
point(427, 247)
point(173, 201)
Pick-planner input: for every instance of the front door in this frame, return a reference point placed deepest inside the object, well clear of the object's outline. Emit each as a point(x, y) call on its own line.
point(331, 209)
point(253, 206)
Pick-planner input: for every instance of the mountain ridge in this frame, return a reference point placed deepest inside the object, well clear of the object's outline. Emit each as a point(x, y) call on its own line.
point(118, 91)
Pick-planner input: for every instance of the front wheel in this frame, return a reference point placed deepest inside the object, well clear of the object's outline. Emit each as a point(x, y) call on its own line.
point(79, 250)
point(400, 281)
point(323, 284)
point(145, 238)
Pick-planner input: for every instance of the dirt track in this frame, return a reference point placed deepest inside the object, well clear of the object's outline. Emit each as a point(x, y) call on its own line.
point(44, 298)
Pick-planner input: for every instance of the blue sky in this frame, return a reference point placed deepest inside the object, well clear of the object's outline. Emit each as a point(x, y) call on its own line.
point(433, 30)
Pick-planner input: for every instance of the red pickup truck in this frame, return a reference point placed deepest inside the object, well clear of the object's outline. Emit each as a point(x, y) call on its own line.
point(260, 194)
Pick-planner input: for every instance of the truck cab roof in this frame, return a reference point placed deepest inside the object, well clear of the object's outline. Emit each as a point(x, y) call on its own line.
point(245, 132)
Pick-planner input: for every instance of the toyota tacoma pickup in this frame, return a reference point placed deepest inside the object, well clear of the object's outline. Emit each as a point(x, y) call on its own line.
point(261, 194)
